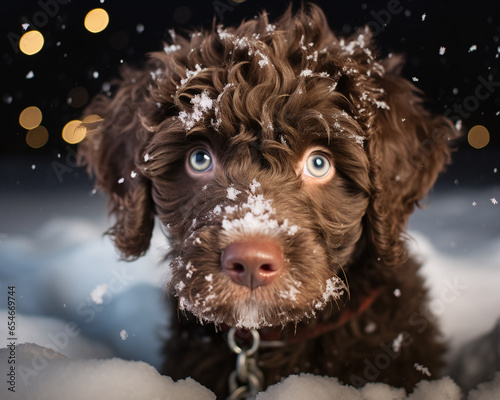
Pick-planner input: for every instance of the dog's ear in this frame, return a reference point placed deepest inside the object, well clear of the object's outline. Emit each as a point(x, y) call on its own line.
point(409, 147)
point(112, 152)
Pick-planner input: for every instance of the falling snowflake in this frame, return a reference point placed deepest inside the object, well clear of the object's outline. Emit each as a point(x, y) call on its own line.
point(442, 50)
point(121, 180)
point(30, 75)
point(98, 292)
point(414, 79)
point(370, 327)
point(472, 48)
point(397, 292)
point(494, 201)
point(123, 334)
point(474, 204)
point(133, 174)
point(423, 17)
point(396, 343)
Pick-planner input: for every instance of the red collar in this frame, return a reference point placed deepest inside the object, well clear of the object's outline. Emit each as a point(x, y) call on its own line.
point(276, 334)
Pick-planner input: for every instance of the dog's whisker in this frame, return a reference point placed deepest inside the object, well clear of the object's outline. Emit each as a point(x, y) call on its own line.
point(346, 280)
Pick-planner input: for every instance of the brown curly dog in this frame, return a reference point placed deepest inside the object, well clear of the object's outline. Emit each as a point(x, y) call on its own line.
point(284, 163)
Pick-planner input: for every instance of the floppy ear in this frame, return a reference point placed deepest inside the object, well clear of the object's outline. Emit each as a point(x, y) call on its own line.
point(410, 146)
point(112, 152)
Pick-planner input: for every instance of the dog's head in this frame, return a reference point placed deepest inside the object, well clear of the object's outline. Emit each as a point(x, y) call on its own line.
point(278, 157)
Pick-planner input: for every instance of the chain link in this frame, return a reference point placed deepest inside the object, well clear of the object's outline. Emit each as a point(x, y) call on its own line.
point(247, 379)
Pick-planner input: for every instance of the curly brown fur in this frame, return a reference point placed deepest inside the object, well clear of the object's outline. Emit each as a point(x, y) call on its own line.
point(258, 99)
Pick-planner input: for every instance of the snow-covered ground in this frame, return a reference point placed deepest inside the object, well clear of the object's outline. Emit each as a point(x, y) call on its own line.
point(74, 296)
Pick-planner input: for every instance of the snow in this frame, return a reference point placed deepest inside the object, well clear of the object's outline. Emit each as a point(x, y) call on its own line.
point(306, 72)
point(396, 343)
point(487, 391)
point(190, 74)
point(232, 193)
point(423, 369)
point(42, 375)
point(139, 28)
point(98, 293)
point(171, 48)
point(307, 386)
point(56, 264)
point(45, 374)
point(334, 290)
point(202, 103)
point(123, 334)
point(258, 217)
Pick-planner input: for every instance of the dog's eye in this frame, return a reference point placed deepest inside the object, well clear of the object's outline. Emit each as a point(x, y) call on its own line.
point(317, 166)
point(200, 160)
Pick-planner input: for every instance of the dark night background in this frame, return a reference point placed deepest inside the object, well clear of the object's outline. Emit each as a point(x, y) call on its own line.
point(71, 56)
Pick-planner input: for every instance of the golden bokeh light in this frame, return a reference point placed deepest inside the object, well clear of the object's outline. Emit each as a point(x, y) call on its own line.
point(31, 42)
point(37, 137)
point(74, 132)
point(478, 136)
point(96, 20)
point(30, 117)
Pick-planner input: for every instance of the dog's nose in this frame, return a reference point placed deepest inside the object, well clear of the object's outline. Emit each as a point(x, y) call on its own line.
point(252, 263)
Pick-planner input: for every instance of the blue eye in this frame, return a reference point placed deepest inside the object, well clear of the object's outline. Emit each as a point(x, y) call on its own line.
point(200, 160)
point(317, 166)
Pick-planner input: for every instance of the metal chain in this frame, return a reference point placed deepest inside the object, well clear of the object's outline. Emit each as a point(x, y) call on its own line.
point(247, 379)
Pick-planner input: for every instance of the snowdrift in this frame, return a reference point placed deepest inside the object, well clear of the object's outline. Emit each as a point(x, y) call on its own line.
point(42, 373)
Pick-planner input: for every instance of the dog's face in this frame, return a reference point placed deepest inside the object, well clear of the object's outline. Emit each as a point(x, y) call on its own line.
point(261, 223)
point(277, 157)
